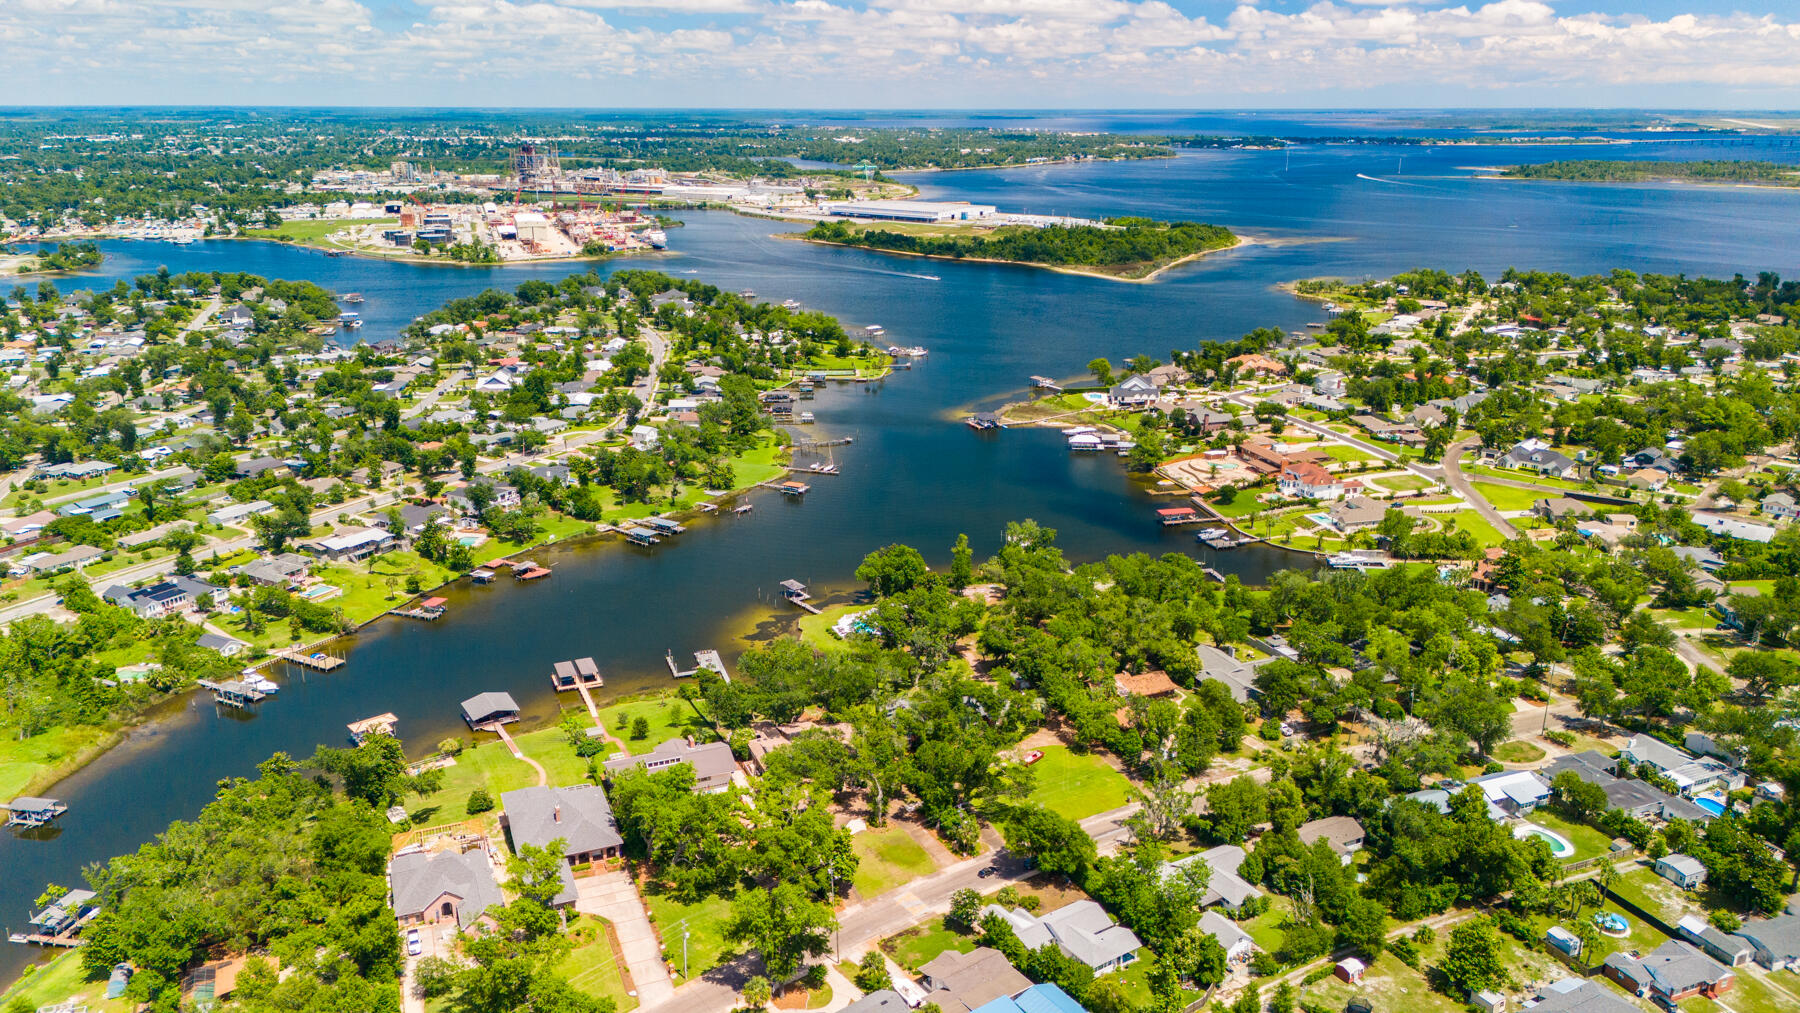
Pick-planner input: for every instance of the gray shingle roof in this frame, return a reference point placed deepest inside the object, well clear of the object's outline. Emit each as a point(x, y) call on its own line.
point(419, 879)
point(1779, 937)
point(580, 815)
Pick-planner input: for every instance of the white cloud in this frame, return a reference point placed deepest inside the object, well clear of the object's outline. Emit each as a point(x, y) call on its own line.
point(780, 51)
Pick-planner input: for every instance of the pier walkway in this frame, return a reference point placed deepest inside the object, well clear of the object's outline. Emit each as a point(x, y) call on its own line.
point(518, 754)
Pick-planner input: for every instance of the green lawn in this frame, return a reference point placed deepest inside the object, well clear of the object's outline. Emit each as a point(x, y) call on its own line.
point(1390, 984)
point(1266, 928)
point(668, 715)
point(1134, 980)
point(58, 750)
point(1526, 476)
point(888, 858)
point(490, 766)
point(593, 965)
point(1642, 886)
point(918, 945)
point(1506, 497)
point(1343, 452)
point(304, 231)
point(1404, 483)
point(1589, 842)
point(1078, 786)
point(816, 629)
point(1688, 618)
point(1474, 524)
point(379, 584)
point(59, 981)
point(57, 488)
point(757, 465)
point(704, 922)
point(1518, 751)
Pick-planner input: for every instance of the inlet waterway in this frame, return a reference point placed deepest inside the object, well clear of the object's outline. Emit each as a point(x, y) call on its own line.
point(914, 473)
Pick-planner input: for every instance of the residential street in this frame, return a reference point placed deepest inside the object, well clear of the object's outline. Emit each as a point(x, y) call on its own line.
point(1459, 482)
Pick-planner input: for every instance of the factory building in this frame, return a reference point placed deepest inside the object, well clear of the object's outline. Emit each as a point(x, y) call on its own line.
point(910, 210)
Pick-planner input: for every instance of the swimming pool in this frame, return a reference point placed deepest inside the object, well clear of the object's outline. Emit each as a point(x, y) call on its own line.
point(1711, 805)
point(1560, 847)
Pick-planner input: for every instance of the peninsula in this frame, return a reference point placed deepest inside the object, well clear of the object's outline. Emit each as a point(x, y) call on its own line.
point(1122, 249)
point(1717, 171)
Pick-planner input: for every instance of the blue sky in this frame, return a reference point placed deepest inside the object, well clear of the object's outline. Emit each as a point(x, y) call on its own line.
point(905, 53)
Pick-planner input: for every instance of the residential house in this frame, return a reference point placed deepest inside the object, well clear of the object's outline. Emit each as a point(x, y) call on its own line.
point(1237, 676)
point(1308, 481)
point(1040, 998)
point(1356, 513)
point(1650, 457)
point(1257, 364)
point(1692, 775)
point(167, 597)
point(1775, 941)
point(883, 1001)
point(961, 982)
point(1513, 792)
point(235, 514)
point(440, 886)
point(53, 562)
point(1134, 392)
point(350, 545)
point(580, 815)
point(1343, 834)
point(1580, 995)
point(1557, 508)
point(1536, 456)
point(1781, 506)
point(229, 647)
point(1638, 799)
point(1647, 478)
point(1727, 949)
point(1390, 431)
point(1236, 943)
point(712, 762)
point(1684, 871)
point(1672, 972)
point(254, 467)
point(1082, 931)
point(1719, 525)
point(276, 571)
point(1224, 887)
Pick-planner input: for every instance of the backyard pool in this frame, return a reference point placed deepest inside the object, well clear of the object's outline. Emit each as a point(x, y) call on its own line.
point(1612, 924)
point(1711, 804)
point(1560, 847)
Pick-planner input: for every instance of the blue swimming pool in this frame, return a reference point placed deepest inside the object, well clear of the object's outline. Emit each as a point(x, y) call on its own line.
point(1711, 805)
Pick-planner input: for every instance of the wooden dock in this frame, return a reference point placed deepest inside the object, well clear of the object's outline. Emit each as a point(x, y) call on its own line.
point(530, 571)
point(797, 594)
point(232, 693)
point(708, 659)
point(318, 661)
point(39, 939)
point(430, 609)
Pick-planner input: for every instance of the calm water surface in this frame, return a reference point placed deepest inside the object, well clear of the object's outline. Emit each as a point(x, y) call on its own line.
point(915, 474)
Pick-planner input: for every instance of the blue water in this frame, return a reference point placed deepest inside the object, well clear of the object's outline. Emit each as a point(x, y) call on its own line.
point(915, 474)
point(1711, 805)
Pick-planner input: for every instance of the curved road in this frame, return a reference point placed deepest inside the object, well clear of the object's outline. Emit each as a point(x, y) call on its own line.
point(1454, 477)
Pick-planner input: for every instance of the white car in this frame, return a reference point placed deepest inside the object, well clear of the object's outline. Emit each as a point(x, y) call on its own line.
point(1286, 729)
point(414, 945)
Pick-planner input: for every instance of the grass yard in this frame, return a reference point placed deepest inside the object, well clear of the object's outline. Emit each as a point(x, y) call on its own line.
point(60, 488)
point(1688, 618)
point(888, 858)
point(1390, 984)
point(1518, 751)
point(60, 981)
point(43, 758)
point(594, 965)
point(1266, 928)
point(1134, 980)
point(816, 629)
point(1244, 502)
point(668, 715)
point(490, 766)
point(1589, 842)
point(757, 465)
point(1526, 476)
point(1474, 524)
point(704, 922)
point(377, 585)
point(918, 945)
point(1078, 786)
point(313, 231)
point(1344, 453)
point(1404, 483)
point(1642, 886)
point(1506, 497)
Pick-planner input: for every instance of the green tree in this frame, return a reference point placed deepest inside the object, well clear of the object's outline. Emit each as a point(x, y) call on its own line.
point(892, 569)
point(1103, 372)
point(1473, 961)
point(962, 557)
point(782, 924)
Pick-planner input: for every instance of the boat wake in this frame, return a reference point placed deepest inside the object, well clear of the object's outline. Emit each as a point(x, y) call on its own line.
point(1393, 182)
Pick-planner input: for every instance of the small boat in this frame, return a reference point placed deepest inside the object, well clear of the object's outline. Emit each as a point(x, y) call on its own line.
point(792, 304)
point(806, 417)
point(915, 351)
point(350, 320)
point(353, 298)
point(874, 329)
point(747, 294)
point(181, 240)
point(1206, 533)
point(334, 253)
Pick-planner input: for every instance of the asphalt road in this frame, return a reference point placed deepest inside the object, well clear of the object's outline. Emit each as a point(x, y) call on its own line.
point(1454, 477)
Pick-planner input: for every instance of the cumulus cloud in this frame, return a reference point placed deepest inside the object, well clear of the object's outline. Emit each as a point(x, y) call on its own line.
point(136, 50)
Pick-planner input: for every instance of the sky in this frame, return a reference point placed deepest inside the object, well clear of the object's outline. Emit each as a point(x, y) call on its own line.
point(904, 54)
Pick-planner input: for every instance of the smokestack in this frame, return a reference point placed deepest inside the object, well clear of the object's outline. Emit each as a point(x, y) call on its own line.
point(556, 815)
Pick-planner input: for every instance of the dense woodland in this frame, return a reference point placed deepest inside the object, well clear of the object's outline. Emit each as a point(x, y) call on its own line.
point(1594, 170)
point(1124, 242)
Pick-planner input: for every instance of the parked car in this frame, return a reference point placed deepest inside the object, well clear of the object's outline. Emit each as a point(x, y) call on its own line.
point(985, 873)
point(1286, 729)
point(414, 944)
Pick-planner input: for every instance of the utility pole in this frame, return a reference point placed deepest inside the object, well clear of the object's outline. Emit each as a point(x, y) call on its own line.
point(684, 963)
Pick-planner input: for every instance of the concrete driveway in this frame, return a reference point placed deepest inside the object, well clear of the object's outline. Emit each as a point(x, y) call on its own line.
point(614, 897)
